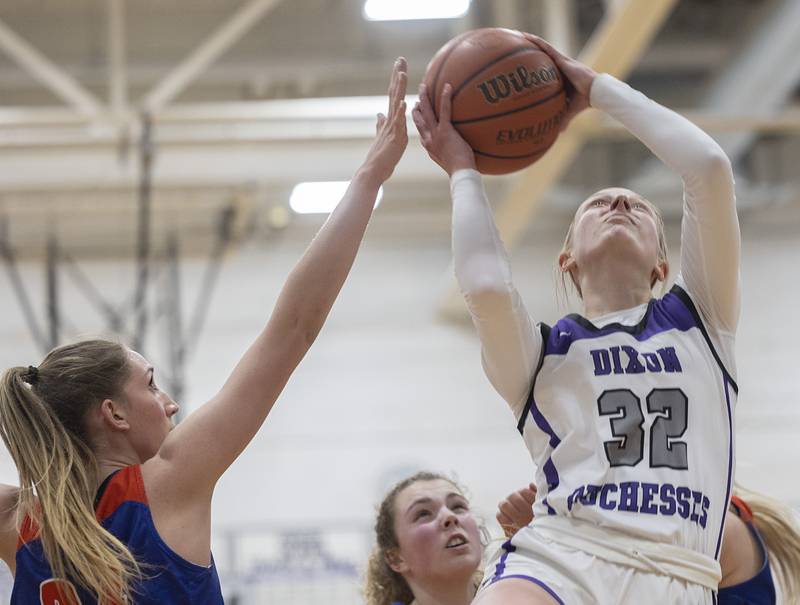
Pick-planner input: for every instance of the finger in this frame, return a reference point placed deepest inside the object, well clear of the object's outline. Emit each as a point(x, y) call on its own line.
point(392, 92)
point(503, 520)
point(551, 51)
point(528, 495)
point(399, 102)
point(508, 508)
point(422, 128)
point(445, 105)
point(399, 119)
point(398, 73)
point(425, 106)
point(402, 65)
point(542, 43)
point(509, 523)
point(508, 530)
point(518, 504)
point(398, 91)
point(396, 69)
point(533, 38)
point(402, 85)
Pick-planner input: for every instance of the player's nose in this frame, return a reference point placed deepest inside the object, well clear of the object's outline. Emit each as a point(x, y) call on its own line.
point(621, 202)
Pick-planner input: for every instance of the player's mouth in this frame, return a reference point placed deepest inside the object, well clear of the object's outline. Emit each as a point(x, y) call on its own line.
point(618, 217)
point(456, 541)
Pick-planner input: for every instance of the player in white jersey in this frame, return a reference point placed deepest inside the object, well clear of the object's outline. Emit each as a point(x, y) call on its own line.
point(627, 409)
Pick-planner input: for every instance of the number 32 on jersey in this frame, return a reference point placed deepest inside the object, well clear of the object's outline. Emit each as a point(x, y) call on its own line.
point(627, 419)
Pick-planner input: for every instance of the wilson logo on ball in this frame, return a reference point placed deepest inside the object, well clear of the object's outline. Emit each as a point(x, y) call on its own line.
point(500, 87)
point(508, 98)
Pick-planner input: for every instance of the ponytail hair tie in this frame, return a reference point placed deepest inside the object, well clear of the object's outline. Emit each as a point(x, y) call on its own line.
point(32, 375)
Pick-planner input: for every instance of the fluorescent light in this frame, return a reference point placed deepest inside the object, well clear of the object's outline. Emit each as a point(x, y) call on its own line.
point(320, 197)
point(392, 10)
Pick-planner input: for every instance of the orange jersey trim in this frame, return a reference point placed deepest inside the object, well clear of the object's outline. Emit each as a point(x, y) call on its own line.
point(126, 486)
point(745, 512)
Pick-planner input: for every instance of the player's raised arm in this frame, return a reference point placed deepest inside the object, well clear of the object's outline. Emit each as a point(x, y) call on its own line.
point(510, 344)
point(710, 239)
point(204, 445)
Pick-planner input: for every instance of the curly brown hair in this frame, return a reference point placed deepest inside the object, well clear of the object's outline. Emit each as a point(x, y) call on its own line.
point(383, 585)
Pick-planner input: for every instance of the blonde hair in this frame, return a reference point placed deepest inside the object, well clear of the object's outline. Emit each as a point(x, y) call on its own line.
point(383, 585)
point(566, 248)
point(42, 422)
point(780, 529)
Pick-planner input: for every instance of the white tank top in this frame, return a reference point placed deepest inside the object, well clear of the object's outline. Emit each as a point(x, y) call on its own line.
point(631, 426)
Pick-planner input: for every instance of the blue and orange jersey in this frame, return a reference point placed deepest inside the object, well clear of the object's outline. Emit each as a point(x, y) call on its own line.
point(122, 509)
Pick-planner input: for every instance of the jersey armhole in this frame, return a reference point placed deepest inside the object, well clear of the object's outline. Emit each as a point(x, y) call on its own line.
point(545, 331)
point(687, 301)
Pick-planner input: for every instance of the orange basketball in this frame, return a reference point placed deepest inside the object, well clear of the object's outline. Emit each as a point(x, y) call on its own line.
point(508, 96)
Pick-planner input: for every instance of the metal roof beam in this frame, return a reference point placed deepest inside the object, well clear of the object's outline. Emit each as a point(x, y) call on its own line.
point(204, 55)
point(48, 73)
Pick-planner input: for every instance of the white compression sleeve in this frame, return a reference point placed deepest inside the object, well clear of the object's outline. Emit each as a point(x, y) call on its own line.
point(510, 343)
point(710, 240)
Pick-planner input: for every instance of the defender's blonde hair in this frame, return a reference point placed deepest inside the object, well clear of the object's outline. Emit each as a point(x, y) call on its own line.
point(42, 422)
point(780, 529)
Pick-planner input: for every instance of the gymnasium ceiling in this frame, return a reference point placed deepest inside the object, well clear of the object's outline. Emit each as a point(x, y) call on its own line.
point(248, 97)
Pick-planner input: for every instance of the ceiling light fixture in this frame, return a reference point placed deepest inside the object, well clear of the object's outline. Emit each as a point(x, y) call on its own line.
point(320, 197)
point(395, 10)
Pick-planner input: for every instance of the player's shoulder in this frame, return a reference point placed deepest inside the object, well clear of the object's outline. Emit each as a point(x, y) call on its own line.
point(740, 556)
point(9, 499)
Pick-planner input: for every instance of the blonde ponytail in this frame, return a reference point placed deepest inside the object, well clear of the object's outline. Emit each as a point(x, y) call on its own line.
point(42, 413)
point(780, 529)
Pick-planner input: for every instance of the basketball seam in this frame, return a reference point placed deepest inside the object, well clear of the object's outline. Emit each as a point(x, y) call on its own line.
point(510, 111)
point(509, 157)
point(436, 78)
point(488, 65)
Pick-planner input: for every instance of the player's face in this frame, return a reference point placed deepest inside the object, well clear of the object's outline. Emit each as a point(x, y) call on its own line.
point(438, 537)
point(614, 222)
point(150, 410)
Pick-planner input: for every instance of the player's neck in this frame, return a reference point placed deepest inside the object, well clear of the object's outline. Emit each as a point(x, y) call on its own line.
point(450, 593)
point(107, 463)
point(603, 295)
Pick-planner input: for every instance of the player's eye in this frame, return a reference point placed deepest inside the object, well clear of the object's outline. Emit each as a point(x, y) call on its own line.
point(421, 514)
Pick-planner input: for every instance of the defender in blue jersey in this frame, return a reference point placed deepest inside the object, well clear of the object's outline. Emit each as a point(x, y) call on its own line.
point(114, 503)
point(123, 510)
point(626, 408)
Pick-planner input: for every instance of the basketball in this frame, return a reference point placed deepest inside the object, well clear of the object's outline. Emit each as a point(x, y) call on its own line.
point(508, 96)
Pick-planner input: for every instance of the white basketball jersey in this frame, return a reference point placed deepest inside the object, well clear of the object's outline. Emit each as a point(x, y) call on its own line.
point(631, 427)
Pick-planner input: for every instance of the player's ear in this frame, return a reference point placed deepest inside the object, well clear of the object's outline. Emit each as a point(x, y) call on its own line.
point(114, 415)
point(660, 273)
point(395, 561)
point(565, 262)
